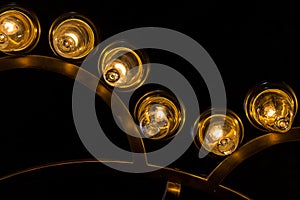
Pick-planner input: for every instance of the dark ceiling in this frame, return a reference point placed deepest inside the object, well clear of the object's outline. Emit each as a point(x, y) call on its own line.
point(249, 42)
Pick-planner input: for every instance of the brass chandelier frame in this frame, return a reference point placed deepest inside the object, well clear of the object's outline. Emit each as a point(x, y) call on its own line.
point(212, 184)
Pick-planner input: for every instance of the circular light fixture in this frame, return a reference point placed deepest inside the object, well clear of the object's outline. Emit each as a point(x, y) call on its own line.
point(19, 30)
point(122, 66)
point(271, 107)
point(72, 36)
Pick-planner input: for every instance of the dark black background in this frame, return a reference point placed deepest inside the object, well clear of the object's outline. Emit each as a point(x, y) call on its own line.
point(249, 42)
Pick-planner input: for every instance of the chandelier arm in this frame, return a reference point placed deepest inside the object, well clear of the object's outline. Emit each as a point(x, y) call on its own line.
point(248, 150)
point(136, 143)
point(86, 78)
point(186, 179)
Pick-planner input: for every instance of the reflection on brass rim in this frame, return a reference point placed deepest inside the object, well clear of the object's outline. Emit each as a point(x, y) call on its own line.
point(248, 150)
point(168, 174)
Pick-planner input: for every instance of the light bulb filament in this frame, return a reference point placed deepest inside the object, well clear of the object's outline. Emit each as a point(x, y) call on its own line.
point(270, 111)
point(155, 120)
point(216, 132)
point(10, 26)
point(217, 136)
point(158, 113)
point(121, 67)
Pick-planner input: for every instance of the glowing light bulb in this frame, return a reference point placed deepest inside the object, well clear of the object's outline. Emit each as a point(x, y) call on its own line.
point(157, 116)
point(155, 121)
point(271, 107)
point(219, 133)
point(19, 30)
point(11, 26)
point(72, 37)
point(122, 67)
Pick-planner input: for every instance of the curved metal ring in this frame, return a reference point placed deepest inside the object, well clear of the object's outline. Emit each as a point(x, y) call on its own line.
point(211, 184)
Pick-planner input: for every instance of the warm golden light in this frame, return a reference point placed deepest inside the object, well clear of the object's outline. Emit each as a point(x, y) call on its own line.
point(122, 67)
point(71, 38)
point(271, 107)
point(219, 133)
point(154, 121)
point(10, 27)
point(158, 116)
point(172, 191)
point(19, 31)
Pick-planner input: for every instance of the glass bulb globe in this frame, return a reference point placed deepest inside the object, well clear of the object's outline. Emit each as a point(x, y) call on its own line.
point(219, 133)
point(19, 31)
point(158, 117)
point(271, 107)
point(122, 67)
point(155, 122)
point(71, 38)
